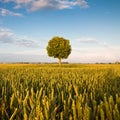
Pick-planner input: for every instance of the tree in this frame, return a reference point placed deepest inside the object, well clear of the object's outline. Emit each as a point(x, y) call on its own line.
point(58, 47)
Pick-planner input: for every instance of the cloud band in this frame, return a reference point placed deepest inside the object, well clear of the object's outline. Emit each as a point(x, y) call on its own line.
point(34, 5)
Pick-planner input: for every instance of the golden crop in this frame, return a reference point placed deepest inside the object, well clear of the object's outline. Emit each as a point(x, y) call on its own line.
point(50, 92)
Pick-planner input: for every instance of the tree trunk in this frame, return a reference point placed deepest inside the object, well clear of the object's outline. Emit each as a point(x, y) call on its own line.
point(59, 61)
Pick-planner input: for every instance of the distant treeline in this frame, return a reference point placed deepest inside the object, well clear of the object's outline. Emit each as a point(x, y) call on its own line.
point(117, 62)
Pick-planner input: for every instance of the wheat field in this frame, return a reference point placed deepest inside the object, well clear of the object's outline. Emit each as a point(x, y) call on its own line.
point(53, 92)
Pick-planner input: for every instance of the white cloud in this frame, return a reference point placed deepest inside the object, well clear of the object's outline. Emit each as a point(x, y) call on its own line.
point(92, 50)
point(27, 42)
point(40, 4)
point(18, 1)
point(8, 37)
point(5, 12)
point(34, 5)
point(57, 4)
point(87, 40)
point(94, 55)
point(8, 57)
point(92, 40)
point(32, 52)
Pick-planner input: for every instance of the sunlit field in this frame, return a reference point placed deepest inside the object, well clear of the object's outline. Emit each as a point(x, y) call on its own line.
point(53, 92)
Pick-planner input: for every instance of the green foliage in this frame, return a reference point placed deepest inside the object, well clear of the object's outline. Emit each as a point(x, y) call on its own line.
point(58, 47)
point(49, 92)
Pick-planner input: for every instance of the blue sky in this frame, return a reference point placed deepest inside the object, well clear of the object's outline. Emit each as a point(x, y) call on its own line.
point(92, 26)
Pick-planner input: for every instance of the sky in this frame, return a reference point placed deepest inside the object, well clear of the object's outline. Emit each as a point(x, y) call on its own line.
point(91, 26)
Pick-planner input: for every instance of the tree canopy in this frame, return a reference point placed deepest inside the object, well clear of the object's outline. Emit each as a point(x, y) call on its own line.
point(59, 47)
